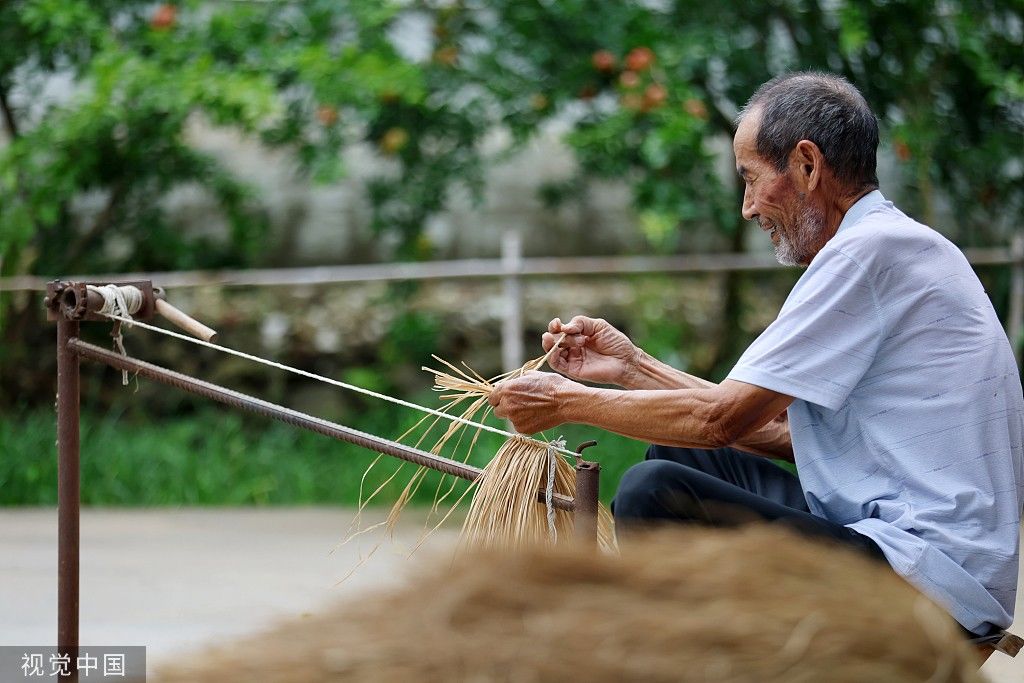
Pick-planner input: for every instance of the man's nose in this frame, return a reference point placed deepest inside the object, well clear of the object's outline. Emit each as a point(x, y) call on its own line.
point(748, 210)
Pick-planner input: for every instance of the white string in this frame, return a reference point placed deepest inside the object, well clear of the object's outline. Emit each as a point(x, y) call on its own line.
point(328, 380)
point(124, 300)
point(549, 490)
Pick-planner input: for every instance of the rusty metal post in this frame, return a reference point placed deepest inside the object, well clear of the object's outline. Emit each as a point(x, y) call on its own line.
point(68, 494)
point(588, 482)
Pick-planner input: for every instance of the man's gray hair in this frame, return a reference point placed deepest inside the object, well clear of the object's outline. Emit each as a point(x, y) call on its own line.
point(825, 109)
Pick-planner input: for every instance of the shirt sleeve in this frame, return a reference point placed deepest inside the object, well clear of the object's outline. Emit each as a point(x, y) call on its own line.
point(824, 339)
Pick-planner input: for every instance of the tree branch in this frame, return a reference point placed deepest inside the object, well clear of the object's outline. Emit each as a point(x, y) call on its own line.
point(718, 117)
point(9, 122)
point(102, 222)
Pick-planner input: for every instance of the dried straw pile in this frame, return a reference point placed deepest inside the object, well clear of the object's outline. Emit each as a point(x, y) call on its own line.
point(751, 605)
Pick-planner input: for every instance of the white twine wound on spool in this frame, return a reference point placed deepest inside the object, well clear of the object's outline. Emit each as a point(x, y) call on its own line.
point(549, 490)
point(123, 301)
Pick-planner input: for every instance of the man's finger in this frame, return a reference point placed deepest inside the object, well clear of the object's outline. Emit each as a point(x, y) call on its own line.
point(494, 398)
point(570, 341)
point(576, 341)
point(555, 326)
point(576, 325)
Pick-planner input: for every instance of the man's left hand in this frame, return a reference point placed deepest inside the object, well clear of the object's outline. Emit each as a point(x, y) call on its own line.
point(533, 402)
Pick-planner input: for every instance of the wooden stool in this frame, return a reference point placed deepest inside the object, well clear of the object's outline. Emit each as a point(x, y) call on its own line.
point(999, 641)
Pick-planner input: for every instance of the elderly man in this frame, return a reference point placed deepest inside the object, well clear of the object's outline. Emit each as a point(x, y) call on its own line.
point(886, 377)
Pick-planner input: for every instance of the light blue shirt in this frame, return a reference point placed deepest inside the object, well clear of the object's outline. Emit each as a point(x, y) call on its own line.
point(908, 421)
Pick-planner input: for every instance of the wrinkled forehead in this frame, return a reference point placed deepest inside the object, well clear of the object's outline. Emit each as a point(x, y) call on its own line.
point(744, 142)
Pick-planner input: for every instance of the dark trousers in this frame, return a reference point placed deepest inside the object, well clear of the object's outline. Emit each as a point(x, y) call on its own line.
point(720, 487)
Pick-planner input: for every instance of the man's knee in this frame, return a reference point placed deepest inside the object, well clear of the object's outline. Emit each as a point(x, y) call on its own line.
point(642, 489)
point(696, 458)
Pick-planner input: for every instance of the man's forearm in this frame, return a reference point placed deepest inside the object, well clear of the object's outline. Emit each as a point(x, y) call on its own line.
point(689, 417)
point(772, 440)
point(650, 373)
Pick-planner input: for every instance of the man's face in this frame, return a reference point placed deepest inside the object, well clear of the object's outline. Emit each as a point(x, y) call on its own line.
point(771, 197)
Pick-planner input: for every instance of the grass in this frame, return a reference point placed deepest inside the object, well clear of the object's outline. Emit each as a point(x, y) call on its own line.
point(220, 457)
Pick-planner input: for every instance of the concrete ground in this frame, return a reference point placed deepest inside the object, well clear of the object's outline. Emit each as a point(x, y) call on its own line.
point(177, 580)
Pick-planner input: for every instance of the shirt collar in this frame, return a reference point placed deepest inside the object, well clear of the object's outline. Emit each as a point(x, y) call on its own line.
point(860, 208)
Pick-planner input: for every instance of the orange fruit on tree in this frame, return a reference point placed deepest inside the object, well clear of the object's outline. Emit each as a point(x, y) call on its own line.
point(327, 115)
point(629, 79)
point(639, 58)
point(539, 101)
point(902, 150)
point(164, 17)
point(394, 140)
point(696, 108)
point(654, 96)
point(603, 60)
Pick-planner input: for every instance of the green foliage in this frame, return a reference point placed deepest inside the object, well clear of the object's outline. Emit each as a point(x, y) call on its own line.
point(642, 89)
point(412, 337)
point(122, 135)
point(946, 81)
point(99, 100)
point(217, 457)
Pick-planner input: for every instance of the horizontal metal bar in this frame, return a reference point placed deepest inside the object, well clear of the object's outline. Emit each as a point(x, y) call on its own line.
point(467, 269)
point(289, 416)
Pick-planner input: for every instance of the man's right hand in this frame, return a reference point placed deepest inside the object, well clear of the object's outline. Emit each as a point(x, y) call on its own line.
point(592, 351)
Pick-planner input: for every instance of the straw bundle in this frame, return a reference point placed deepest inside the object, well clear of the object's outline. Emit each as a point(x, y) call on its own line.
point(505, 511)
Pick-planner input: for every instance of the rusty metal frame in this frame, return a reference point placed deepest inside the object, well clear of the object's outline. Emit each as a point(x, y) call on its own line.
point(70, 302)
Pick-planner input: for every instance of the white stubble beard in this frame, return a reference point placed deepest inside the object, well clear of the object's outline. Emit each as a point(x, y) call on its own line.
point(800, 251)
point(785, 253)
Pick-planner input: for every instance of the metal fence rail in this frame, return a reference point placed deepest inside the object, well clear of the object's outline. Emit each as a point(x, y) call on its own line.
point(513, 267)
point(509, 264)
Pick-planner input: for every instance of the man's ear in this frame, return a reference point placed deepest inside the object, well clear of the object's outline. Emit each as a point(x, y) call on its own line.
point(808, 164)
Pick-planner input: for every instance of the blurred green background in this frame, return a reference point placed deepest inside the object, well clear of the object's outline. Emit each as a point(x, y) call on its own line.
point(207, 135)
